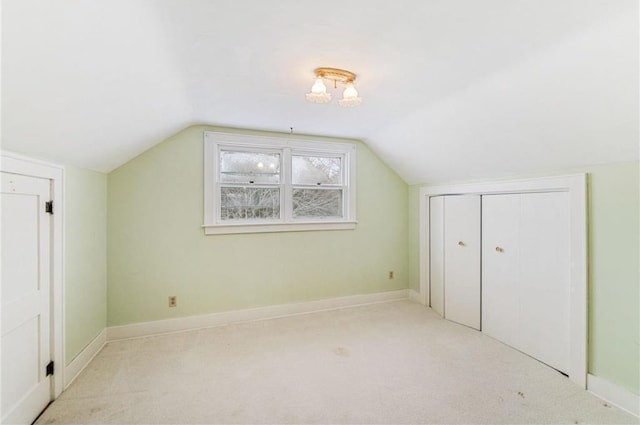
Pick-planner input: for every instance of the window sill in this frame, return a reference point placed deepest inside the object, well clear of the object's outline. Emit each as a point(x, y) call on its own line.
point(227, 229)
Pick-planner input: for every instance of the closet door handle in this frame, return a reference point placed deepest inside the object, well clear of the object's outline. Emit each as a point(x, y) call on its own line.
point(498, 249)
point(460, 243)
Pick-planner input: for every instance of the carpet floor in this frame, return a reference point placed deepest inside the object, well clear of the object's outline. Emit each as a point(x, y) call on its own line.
point(391, 363)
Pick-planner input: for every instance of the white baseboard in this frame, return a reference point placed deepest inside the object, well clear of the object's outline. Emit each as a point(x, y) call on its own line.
point(136, 330)
point(415, 296)
point(614, 394)
point(77, 365)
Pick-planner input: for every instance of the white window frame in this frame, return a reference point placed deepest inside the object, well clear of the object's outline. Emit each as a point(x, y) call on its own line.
point(215, 142)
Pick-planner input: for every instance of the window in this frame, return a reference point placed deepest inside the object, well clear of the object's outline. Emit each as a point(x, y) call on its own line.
point(272, 184)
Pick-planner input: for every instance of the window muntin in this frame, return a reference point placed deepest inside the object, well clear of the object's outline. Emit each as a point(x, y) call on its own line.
point(265, 184)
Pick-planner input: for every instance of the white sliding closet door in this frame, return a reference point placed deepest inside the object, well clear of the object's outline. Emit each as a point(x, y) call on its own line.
point(500, 259)
point(436, 249)
point(462, 259)
point(545, 277)
point(526, 273)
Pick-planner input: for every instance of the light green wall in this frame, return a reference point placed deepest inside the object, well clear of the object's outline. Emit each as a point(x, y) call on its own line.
point(156, 247)
point(614, 270)
point(614, 274)
point(414, 238)
point(85, 257)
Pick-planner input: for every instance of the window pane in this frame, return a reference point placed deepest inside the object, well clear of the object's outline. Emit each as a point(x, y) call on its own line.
point(315, 170)
point(249, 167)
point(251, 203)
point(317, 203)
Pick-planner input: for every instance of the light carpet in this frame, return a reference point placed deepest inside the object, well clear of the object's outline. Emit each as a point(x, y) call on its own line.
point(392, 363)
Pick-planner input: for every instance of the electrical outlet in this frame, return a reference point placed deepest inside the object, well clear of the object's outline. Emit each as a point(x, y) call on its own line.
point(391, 274)
point(173, 301)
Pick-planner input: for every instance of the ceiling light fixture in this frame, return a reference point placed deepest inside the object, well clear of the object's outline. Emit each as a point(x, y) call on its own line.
point(319, 90)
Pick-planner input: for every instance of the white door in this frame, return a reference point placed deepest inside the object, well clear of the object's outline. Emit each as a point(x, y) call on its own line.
point(545, 278)
point(462, 259)
point(436, 254)
point(500, 262)
point(26, 389)
point(526, 273)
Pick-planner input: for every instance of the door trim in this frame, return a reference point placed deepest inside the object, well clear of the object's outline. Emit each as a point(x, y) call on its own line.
point(18, 164)
point(576, 186)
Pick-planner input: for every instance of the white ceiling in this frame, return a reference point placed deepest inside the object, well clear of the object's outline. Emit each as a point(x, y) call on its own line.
point(452, 89)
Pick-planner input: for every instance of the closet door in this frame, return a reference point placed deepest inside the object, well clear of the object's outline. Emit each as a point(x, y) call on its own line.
point(526, 273)
point(500, 260)
point(545, 278)
point(462, 259)
point(436, 250)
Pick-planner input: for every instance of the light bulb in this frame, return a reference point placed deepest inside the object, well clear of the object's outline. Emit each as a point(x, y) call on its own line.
point(319, 92)
point(350, 92)
point(318, 87)
point(350, 96)
point(260, 165)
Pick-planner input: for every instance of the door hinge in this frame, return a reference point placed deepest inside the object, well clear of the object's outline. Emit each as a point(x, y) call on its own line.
point(50, 368)
point(49, 207)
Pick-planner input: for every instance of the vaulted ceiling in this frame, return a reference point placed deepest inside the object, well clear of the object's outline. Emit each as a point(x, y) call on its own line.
point(452, 89)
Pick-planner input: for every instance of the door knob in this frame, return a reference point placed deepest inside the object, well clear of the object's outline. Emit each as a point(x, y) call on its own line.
point(498, 249)
point(460, 243)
